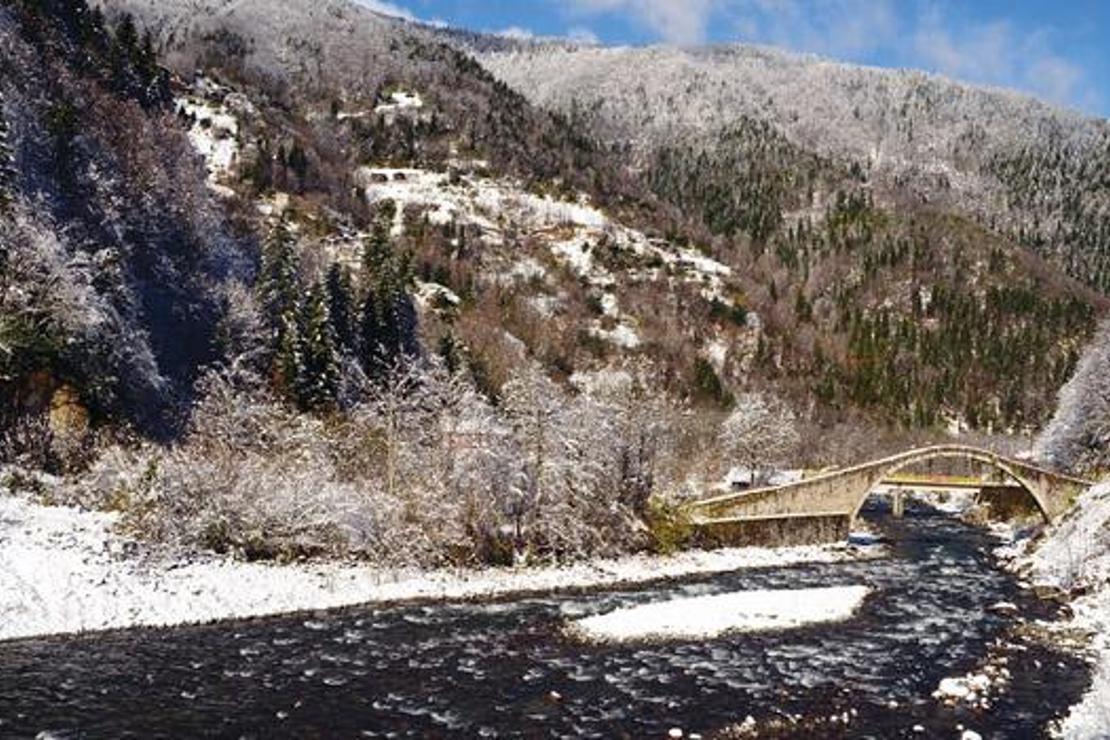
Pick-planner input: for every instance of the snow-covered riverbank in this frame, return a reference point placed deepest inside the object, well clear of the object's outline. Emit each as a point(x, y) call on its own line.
point(1075, 558)
point(63, 570)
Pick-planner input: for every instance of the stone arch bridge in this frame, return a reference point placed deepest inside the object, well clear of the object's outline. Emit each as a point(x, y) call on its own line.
point(824, 507)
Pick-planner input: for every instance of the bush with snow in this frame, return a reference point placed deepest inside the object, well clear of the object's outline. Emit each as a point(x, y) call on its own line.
point(424, 470)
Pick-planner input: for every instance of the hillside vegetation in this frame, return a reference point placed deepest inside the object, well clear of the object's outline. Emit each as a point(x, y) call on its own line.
point(297, 279)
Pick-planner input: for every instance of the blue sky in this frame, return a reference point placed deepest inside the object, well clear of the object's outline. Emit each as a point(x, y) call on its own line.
point(1059, 51)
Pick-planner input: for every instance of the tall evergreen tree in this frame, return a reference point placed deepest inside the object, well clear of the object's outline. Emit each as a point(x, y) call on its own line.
point(387, 323)
point(318, 384)
point(374, 355)
point(124, 52)
point(278, 280)
point(279, 294)
point(377, 254)
point(341, 305)
point(288, 367)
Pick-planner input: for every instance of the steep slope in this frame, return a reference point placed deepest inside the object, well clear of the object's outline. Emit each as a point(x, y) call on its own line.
point(115, 259)
point(496, 205)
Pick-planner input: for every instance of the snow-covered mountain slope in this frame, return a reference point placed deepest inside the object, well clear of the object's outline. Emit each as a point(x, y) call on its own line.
point(340, 56)
point(887, 118)
point(1032, 170)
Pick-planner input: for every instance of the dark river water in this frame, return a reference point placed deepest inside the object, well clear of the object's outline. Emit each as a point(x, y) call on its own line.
point(490, 670)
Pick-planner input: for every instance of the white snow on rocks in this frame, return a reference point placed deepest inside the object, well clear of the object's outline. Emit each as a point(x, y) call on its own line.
point(710, 616)
point(975, 689)
point(622, 335)
point(64, 570)
point(434, 295)
point(1075, 557)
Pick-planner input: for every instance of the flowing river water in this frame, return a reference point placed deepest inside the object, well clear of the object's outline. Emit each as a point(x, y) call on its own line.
point(507, 668)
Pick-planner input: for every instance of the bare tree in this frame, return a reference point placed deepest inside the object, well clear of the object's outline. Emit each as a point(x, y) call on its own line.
point(760, 432)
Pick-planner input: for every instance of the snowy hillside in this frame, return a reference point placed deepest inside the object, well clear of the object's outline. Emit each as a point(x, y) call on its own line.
point(993, 153)
point(889, 119)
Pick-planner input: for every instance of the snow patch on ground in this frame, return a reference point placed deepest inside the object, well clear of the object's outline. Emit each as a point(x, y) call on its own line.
point(622, 335)
point(214, 134)
point(711, 616)
point(64, 570)
point(399, 101)
point(1075, 557)
point(717, 352)
point(434, 295)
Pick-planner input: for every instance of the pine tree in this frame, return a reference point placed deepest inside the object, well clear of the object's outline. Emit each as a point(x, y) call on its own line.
point(277, 283)
point(288, 361)
point(377, 255)
point(318, 384)
point(387, 323)
point(123, 52)
point(375, 359)
point(279, 293)
point(341, 305)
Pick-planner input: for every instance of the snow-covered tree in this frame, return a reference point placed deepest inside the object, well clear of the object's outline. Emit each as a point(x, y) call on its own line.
point(533, 406)
point(566, 495)
point(640, 438)
point(759, 433)
point(278, 280)
point(7, 160)
point(1078, 437)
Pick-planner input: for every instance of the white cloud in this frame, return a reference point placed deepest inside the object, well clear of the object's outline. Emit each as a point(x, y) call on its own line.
point(676, 21)
point(838, 28)
point(583, 35)
point(516, 32)
point(387, 8)
point(996, 53)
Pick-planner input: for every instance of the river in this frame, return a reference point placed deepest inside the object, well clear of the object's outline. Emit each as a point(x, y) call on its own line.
point(507, 669)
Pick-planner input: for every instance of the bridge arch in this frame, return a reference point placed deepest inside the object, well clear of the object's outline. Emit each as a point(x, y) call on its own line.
point(823, 507)
point(891, 466)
